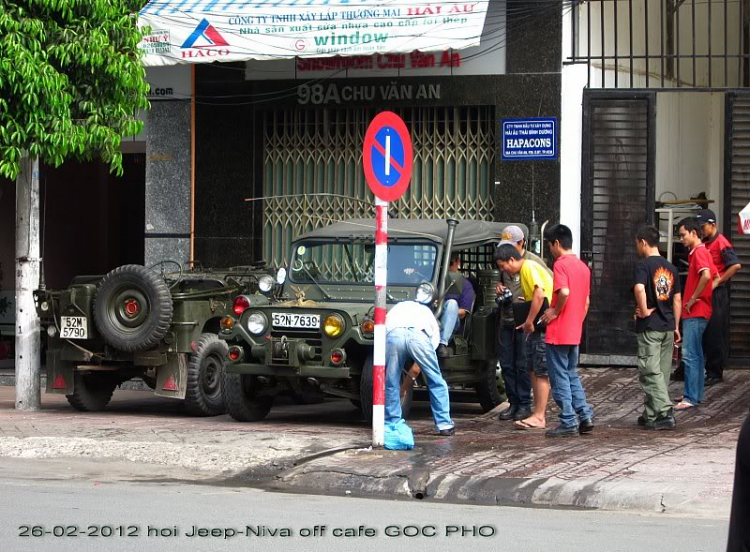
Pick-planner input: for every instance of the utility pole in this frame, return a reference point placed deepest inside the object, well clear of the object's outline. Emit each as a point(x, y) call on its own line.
point(28, 365)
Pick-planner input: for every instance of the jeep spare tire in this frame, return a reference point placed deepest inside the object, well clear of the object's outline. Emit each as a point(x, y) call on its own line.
point(133, 308)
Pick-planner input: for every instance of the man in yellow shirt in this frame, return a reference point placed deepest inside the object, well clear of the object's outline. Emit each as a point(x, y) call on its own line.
point(536, 284)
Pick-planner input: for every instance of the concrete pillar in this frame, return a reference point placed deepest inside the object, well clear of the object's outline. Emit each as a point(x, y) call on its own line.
point(168, 184)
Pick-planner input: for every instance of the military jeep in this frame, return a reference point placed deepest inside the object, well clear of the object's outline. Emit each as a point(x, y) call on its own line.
point(319, 337)
point(159, 324)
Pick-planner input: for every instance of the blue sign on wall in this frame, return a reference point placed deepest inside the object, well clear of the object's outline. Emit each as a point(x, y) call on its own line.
point(529, 139)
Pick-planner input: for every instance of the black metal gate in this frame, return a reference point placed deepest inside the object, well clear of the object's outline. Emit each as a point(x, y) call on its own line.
point(617, 197)
point(737, 194)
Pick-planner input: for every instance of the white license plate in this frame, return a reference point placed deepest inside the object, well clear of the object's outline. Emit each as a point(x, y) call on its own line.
point(291, 320)
point(74, 327)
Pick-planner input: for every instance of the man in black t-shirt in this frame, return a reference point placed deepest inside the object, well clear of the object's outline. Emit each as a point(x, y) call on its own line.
point(658, 311)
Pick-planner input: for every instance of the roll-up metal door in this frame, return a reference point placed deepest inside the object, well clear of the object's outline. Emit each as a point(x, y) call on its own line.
point(738, 190)
point(617, 197)
point(313, 173)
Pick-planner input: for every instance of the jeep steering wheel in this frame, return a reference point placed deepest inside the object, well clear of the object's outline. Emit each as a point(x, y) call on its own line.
point(163, 270)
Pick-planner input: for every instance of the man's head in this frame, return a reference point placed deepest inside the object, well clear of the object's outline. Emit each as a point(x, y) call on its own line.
point(508, 258)
point(513, 235)
point(455, 262)
point(690, 232)
point(559, 239)
point(646, 240)
point(707, 220)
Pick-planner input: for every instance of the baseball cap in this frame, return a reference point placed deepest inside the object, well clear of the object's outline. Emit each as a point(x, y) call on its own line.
point(511, 235)
point(705, 216)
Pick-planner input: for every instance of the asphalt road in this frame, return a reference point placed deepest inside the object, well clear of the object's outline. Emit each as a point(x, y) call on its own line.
point(144, 516)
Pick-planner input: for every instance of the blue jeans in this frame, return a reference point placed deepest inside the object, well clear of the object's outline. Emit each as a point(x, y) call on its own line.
point(449, 320)
point(562, 362)
point(404, 344)
point(513, 364)
point(692, 356)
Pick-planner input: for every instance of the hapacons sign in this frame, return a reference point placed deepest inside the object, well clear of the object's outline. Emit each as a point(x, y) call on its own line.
point(203, 31)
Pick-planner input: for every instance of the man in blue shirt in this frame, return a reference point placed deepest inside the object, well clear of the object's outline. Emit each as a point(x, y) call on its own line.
point(455, 307)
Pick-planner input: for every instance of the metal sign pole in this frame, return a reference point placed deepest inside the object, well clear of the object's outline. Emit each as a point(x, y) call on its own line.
point(381, 276)
point(387, 159)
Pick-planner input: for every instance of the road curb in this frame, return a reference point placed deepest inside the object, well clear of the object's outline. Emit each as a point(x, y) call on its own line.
point(358, 473)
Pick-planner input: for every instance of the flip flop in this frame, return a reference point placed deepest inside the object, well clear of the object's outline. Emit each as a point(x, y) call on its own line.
point(683, 405)
point(524, 425)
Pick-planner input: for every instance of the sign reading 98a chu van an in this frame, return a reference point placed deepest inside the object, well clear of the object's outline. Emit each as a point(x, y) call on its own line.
point(530, 139)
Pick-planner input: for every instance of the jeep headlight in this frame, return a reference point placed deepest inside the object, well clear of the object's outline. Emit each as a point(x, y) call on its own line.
point(333, 325)
point(44, 306)
point(265, 283)
point(425, 293)
point(257, 323)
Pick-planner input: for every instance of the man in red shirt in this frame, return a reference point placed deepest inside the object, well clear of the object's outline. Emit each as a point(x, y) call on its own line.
point(716, 336)
point(696, 311)
point(564, 319)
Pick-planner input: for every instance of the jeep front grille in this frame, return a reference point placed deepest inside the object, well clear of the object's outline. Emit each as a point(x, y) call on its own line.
point(312, 338)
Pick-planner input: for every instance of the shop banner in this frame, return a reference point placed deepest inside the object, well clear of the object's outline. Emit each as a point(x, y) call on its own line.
point(204, 31)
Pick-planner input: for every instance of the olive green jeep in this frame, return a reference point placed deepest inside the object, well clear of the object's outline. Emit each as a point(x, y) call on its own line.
point(319, 337)
point(159, 324)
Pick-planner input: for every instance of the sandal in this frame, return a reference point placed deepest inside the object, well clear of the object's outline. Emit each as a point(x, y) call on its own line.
point(524, 425)
point(684, 405)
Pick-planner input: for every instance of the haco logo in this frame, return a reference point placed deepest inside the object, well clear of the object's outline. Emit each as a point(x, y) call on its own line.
point(205, 41)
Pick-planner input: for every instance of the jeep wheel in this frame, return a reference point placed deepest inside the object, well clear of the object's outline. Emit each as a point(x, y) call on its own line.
point(490, 388)
point(242, 399)
point(205, 377)
point(365, 389)
point(133, 308)
point(91, 392)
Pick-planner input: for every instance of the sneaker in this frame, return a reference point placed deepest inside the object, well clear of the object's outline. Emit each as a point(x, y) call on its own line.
point(446, 432)
point(713, 380)
point(661, 423)
point(586, 426)
point(562, 431)
point(508, 414)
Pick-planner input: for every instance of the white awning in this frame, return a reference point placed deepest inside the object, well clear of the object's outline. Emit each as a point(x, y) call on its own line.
point(204, 31)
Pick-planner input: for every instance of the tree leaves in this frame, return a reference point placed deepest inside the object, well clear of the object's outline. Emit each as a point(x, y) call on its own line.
point(71, 80)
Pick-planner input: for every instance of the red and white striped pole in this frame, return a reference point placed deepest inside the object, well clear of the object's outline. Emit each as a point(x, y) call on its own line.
point(381, 277)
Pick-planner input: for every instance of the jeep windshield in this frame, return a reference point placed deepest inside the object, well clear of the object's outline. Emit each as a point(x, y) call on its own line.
point(409, 264)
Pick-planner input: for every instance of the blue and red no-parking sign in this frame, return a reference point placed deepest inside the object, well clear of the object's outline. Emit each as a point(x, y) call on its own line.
point(387, 156)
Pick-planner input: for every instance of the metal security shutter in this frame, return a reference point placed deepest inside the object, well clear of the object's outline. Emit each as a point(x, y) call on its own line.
point(314, 151)
point(617, 197)
point(738, 188)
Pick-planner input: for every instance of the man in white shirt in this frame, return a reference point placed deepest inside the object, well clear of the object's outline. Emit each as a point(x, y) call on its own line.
point(413, 333)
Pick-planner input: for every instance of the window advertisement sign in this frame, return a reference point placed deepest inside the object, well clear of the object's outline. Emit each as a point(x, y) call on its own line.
point(205, 31)
point(529, 139)
point(488, 58)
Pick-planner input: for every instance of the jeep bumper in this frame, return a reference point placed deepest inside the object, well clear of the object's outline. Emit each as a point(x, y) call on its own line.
point(304, 371)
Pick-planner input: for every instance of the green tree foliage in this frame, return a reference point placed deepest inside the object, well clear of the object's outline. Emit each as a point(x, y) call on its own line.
point(71, 80)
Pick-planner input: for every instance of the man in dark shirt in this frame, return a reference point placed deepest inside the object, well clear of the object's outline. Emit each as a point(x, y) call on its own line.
point(455, 307)
point(658, 310)
point(512, 341)
point(716, 336)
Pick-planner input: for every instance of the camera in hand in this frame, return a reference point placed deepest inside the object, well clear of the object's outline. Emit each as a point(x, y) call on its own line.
point(505, 297)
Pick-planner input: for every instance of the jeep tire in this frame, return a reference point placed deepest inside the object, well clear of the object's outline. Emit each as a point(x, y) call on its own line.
point(487, 386)
point(133, 308)
point(365, 389)
point(242, 400)
point(205, 377)
point(91, 392)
